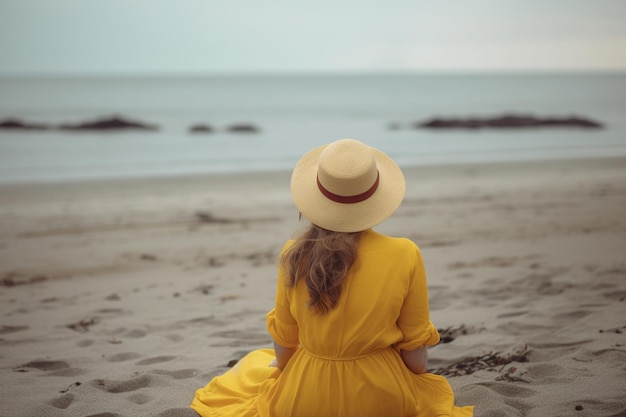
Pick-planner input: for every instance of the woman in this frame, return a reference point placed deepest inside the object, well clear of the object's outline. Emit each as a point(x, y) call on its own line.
point(351, 318)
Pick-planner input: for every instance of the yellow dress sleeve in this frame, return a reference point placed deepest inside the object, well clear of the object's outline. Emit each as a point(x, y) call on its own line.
point(414, 320)
point(281, 324)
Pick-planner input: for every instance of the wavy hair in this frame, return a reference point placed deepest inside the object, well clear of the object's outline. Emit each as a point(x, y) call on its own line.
point(322, 258)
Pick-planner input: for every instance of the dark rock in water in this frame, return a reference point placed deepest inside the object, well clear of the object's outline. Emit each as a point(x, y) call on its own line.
point(243, 128)
point(509, 121)
point(16, 124)
point(109, 123)
point(200, 128)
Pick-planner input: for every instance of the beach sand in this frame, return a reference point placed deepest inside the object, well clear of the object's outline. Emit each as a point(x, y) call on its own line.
point(121, 298)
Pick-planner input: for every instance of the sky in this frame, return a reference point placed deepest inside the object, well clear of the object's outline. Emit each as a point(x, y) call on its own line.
point(178, 37)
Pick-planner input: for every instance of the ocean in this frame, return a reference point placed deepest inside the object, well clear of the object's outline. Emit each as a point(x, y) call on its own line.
point(295, 114)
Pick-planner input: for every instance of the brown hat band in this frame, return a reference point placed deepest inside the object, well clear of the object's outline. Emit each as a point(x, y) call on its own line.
point(352, 198)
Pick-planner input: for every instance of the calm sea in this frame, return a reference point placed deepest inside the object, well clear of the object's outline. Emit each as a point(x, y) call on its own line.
point(295, 114)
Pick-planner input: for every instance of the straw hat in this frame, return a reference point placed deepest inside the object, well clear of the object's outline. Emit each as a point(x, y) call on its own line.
point(347, 186)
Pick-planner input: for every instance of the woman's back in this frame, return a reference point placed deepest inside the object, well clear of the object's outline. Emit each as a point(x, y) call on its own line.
point(348, 361)
point(370, 305)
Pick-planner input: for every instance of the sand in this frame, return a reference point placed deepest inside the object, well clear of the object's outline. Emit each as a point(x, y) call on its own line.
point(121, 298)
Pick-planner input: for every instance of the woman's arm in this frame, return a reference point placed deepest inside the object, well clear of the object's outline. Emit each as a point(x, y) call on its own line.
point(283, 354)
point(416, 360)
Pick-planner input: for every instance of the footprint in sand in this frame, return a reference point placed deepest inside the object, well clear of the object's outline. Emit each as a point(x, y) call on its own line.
point(572, 315)
point(54, 368)
point(113, 311)
point(174, 337)
point(12, 329)
point(43, 365)
point(135, 333)
point(123, 356)
point(117, 387)
point(494, 262)
point(140, 398)
point(204, 321)
point(67, 372)
point(616, 295)
point(512, 314)
point(180, 374)
point(156, 359)
point(62, 402)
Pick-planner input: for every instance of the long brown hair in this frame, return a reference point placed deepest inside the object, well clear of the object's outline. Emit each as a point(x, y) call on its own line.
point(323, 258)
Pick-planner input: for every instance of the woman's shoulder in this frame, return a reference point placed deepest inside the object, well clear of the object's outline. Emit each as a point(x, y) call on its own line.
point(395, 244)
point(398, 253)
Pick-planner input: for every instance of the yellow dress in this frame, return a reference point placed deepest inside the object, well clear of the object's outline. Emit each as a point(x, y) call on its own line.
point(348, 362)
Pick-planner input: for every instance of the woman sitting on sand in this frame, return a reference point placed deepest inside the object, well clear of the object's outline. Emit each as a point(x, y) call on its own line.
point(351, 320)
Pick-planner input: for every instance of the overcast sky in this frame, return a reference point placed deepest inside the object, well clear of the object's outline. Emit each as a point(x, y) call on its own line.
point(267, 36)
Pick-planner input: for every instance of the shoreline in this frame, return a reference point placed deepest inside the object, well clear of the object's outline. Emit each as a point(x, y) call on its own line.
point(272, 173)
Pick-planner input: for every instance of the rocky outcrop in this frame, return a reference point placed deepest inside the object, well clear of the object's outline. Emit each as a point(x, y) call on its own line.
point(118, 123)
point(109, 124)
point(509, 121)
point(200, 128)
point(243, 128)
point(17, 124)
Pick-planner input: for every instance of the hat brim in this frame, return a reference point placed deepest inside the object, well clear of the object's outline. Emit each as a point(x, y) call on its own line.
point(341, 217)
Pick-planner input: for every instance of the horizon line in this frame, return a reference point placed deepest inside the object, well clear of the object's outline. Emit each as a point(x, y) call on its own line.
point(251, 74)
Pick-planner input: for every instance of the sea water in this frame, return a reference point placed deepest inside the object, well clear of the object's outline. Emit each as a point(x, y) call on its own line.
point(295, 114)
